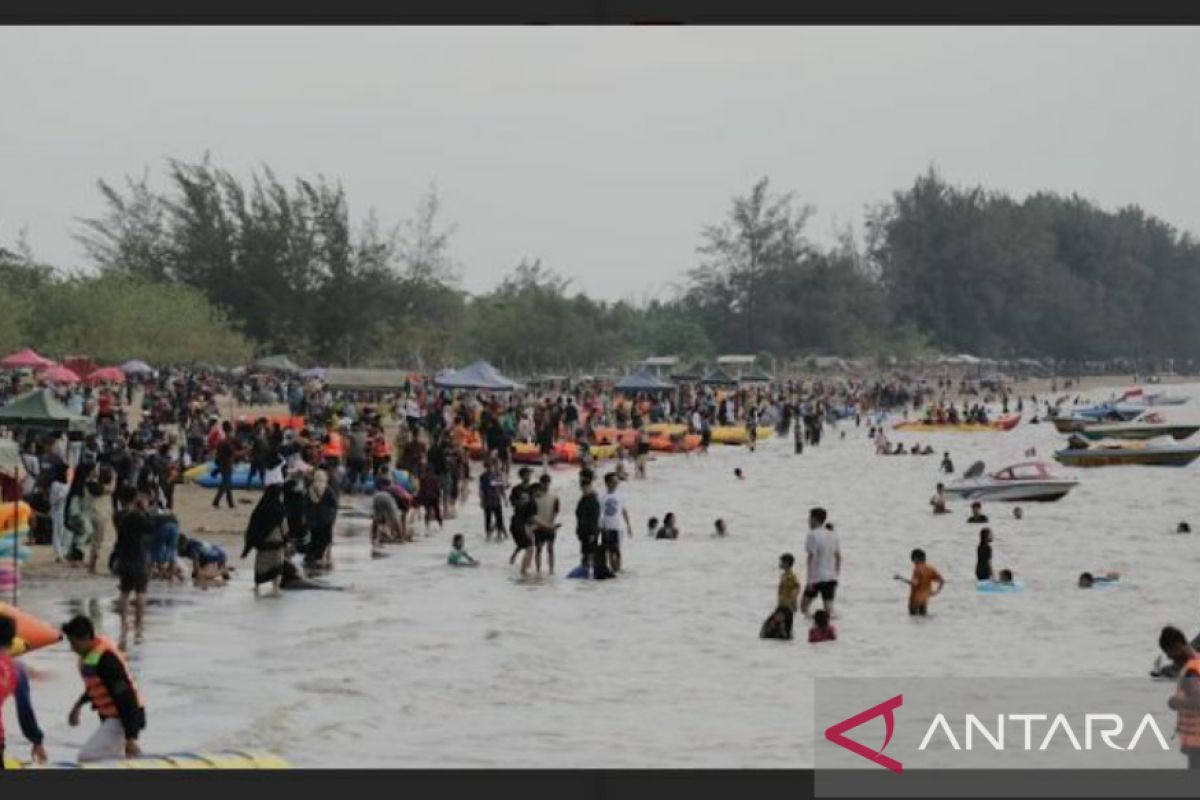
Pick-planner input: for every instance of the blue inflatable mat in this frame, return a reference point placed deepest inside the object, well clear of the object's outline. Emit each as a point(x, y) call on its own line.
point(992, 587)
point(241, 475)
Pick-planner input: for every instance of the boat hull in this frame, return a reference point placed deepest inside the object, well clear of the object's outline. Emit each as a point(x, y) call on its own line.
point(1032, 492)
point(1116, 457)
point(1137, 433)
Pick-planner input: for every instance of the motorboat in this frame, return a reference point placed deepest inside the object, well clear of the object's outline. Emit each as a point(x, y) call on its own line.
point(1147, 426)
point(1152, 453)
point(1006, 423)
point(1030, 481)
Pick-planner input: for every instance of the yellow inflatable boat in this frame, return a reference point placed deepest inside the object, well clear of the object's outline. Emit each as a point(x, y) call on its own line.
point(734, 434)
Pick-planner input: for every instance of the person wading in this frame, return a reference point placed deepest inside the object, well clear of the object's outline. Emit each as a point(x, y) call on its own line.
point(108, 686)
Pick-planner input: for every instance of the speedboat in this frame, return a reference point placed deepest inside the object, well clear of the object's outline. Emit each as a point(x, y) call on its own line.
point(1161, 453)
point(1029, 481)
point(1147, 426)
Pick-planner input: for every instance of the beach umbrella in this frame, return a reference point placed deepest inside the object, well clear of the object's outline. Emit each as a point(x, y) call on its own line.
point(25, 359)
point(136, 367)
point(105, 375)
point(57, 374)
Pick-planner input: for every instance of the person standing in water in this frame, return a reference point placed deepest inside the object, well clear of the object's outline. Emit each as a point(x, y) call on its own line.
point(983, 556)
point(587, 519)
point(824, 562)
point(545, 522)
point(109, 688)
point(613, 512)
point(921, 585)
point(789, 585)
point(134, 530)
point(524, 507)
point(1185, 702)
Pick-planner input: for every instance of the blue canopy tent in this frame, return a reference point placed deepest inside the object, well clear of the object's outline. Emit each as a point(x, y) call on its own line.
point(480, 375)
point(643, 381)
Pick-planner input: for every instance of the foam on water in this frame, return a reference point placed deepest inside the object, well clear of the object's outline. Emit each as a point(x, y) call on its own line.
point(424, 665)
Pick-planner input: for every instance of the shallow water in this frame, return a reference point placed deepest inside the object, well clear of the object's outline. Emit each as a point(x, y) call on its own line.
point(422, 665)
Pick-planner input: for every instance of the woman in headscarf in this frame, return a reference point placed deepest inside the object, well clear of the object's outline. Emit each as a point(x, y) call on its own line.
point(77, 520)
point(265, 534)
point(321, 508)
point(59, 491)
point(98, 508)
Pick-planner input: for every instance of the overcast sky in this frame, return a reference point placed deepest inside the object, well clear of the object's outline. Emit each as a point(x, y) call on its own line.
point(602, 151)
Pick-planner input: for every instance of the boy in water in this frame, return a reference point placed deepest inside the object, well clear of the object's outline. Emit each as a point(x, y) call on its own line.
point(977, 516)
point(653, 527)
point(821, 630)
point(921, 584)
point(1087, 580)
point(459, 557)
point(719, 528)
point(938, 501)
point(789, 584)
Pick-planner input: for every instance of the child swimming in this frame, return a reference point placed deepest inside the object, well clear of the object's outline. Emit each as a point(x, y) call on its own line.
point(1087, 580)
point(821, 630)
point(459, 557)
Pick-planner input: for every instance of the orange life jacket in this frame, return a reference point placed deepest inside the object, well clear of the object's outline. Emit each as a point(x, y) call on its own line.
point(381, 448)
point(96, 691)
point(1188, 720)
point(334, 447)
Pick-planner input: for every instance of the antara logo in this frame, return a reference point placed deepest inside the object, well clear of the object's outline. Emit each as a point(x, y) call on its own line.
point(1113, 726)
point(834, 733)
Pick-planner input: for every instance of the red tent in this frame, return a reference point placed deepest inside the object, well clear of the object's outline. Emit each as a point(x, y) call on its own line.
point(105, 375)
point(58, 375)
point(25, 359)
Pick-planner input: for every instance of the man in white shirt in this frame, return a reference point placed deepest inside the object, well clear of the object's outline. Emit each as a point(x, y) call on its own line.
point(612, 512)
point(824, 562)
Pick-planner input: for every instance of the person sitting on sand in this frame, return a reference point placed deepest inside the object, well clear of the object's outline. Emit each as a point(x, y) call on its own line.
point(652, 527)
point(668, 529)
point(921, 584)
point(459, 557)
point(938, 501)
point(977, 515)
point(821, 630)
point(720, 529)
point(1087, 580)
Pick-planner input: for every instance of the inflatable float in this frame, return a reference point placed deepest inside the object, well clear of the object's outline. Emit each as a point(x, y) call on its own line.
point(920, 426)
point(994, 587)
point(735, 434)
point(32, 633)
point(665, 429)
point(203, 476)
point(226, 759)
point(14, 526)
point(677, 443)
point(284, 422)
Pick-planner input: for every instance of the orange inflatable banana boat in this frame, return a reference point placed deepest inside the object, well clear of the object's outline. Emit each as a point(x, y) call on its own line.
point(32, 633)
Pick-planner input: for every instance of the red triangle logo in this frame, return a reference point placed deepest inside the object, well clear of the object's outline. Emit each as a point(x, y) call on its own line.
point(834, 733)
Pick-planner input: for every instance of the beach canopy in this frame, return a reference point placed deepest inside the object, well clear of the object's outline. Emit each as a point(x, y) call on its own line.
point(278, 363)
point(136, 367)
point(718, 377)
point(480, 375)
point(756, 375)
point(105, 375)
point(25, 359)
point(364, 380)
point(57, 374)
point(39, 409)
point(643, 381)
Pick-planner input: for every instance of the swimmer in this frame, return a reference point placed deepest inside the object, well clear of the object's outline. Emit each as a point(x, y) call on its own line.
point(977, 515)
point(652, 527)
point(1006, 577)
point(1018, 513)
point(938, 501)
point(737, 473)
point(821, 630)
point(921, 585)
point(459, 557)
point(1087, 580)
point(1183, 527)
point(720, 529)
point(293, 577)
point(668, 529)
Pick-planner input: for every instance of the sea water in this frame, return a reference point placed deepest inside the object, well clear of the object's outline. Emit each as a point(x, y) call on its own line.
point(424, 665)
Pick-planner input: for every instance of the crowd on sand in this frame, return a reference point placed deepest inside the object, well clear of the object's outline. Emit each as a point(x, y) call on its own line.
point(106, 503)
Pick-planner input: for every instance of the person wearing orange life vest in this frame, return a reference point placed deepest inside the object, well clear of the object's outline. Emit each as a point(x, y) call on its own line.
point(109, 688)
point(381, 451)
point(1186, 700)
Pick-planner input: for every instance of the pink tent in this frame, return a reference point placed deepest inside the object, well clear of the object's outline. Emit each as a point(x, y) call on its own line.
point(105, 375)
point(58, 375)
point(25, 359)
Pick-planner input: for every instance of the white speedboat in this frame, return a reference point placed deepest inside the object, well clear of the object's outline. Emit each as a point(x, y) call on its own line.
point(1031, 481)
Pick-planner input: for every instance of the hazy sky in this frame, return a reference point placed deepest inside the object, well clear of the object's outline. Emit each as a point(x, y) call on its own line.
point(603, 151)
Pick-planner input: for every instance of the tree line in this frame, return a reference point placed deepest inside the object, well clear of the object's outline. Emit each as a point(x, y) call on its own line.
point(214, 267)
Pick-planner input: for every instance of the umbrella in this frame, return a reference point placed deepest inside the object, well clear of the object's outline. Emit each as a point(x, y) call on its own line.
point(106, 375)
point(25, 359)
point(58, 374)
point(136, 367)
